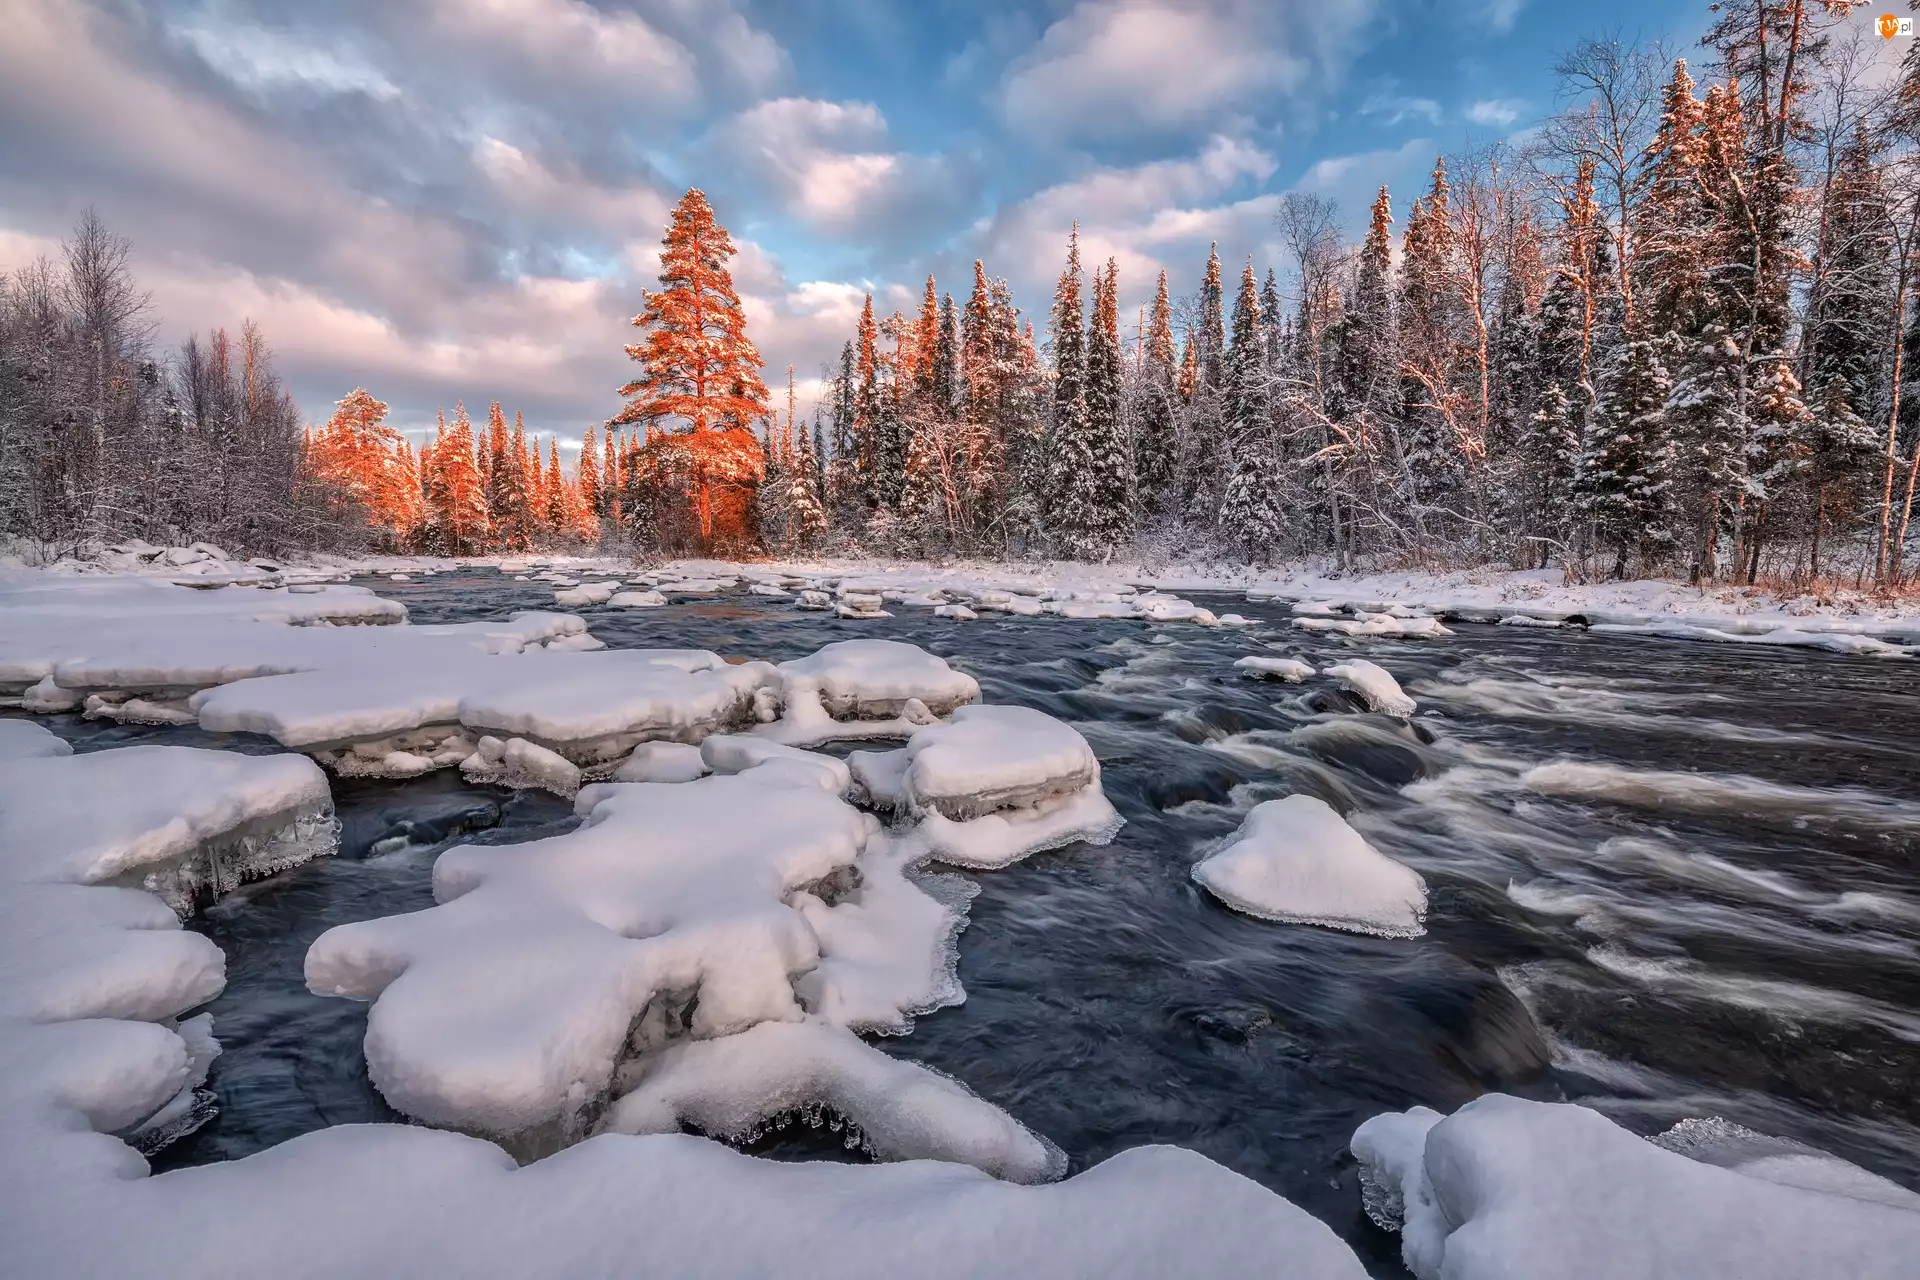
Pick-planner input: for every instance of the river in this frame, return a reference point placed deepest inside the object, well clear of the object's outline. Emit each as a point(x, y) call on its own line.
point(1739, 942)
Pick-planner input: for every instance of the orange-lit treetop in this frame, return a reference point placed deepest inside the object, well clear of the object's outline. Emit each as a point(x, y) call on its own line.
point(698, 365)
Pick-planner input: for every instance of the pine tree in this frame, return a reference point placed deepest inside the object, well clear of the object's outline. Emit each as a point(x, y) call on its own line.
point(699, 368)
point(1110, 475)
point(459, 502)
point(1213, 325)
point(1068, 438)
point(590, 498)
point(1250, 517)
point(1156, 449)
point(806, 515)
point(1624, 475)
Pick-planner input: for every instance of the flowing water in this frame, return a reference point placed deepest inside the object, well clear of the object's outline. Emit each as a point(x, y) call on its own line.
point(1668, 879)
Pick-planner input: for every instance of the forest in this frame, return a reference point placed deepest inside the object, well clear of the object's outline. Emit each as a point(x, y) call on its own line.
point(1669, 331)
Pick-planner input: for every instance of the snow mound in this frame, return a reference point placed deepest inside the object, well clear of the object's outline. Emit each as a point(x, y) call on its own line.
point(181, 823)
point(520, 764)
point(735, 1086)
point(662, 762)
point(994, 758)
point(866, 689)
point(27, 739)
point(1296, 861)
point(586, 593)
point(552, 973)
point(731, 753)
point(1003, 838)
point(1364, 623)
point(1375, 685)
point(1506, 1187)
point(1261, 667)
point(636, 600)
point(958, 612)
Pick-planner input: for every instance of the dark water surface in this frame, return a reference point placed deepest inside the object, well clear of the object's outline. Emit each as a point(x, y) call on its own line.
point(1754, 960)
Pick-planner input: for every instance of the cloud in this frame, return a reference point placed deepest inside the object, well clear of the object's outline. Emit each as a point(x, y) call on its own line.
point(1500, 15)
point(1111, 67)
point(1395, 109)
point(573, 44)
point(831, 164)
point(264, 60)
point(1496, 112)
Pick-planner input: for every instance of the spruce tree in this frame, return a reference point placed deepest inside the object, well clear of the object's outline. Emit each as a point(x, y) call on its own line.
point(1068, 441)
point(1623, 478)
point(1094, 511)
point(1156, 447)
point(1250, 516)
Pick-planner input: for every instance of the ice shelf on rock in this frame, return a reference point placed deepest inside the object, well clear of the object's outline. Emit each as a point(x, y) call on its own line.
point(591, 708)
point(1296, 861)
point(865, 689)
point(991, 787)
point(1259, 666)
point(1507, 1187)
point(815, 601)
point(958, 612)
point(733, 1086)
point(585, 593)
point(1375, 685)
point(28, 739)
point(991, 758)
point(648, 599)
point(521, 764)
point(179, 822)
point(1375, 624)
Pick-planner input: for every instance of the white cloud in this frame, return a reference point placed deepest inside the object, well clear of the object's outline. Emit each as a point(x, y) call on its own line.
point(575, 44)
point(530, 184)
point(1111, 67)
point(1395, 109)
point(830, 163)
point(1497, 112)
point(263, 60)
point(1499, 15)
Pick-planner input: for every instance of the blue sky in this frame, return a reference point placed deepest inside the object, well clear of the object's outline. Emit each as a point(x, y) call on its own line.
point(461, 199)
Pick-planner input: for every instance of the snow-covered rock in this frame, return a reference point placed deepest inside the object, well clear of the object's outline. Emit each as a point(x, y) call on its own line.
point(1506, 1187)
point(737, 753)
point(662, 762)
point(1375, 685)
point(636, 600)
point(1296, 861)
point(178, 822)
point(993, 758)
point(518, 763)
point(866, 688)
point(1260, 666)
point(958, 612)
point(587, 593)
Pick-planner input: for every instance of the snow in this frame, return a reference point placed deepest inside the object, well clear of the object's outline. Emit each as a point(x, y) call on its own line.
point(993, 758)
point(958, 612)
point(636, 600)
point(1296, 861)
point(177, 821)
point(732, 1086)
point(662, 762)
point(730, 753)
point(1001, 839)
point(1506, 1187)
point(26, 739)
point(1375, 685)
point(585, 594)
point(866, 688)
point(1262, 667)
point(506, 1009)
point(1364, 623)
point(520, 764)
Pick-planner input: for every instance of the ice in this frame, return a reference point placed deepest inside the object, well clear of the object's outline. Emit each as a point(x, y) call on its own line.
point(731, 1088)
point(1375, 685)
point(636, 600)
point(958, 612)
point(865, 688)
point(815, 601)
point(1715, 1141)
point(591, 708)
point(878, 777)
point(1364, 623)
point(180, 822)
point(26, 739)
point(585, 594)
point(1001, 839)
point(520, 764)
point(505, 1009)
point(1297, 861)
point(662, 762)
point(1506, 1187)
point(1261, 667)
point(994, 758)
